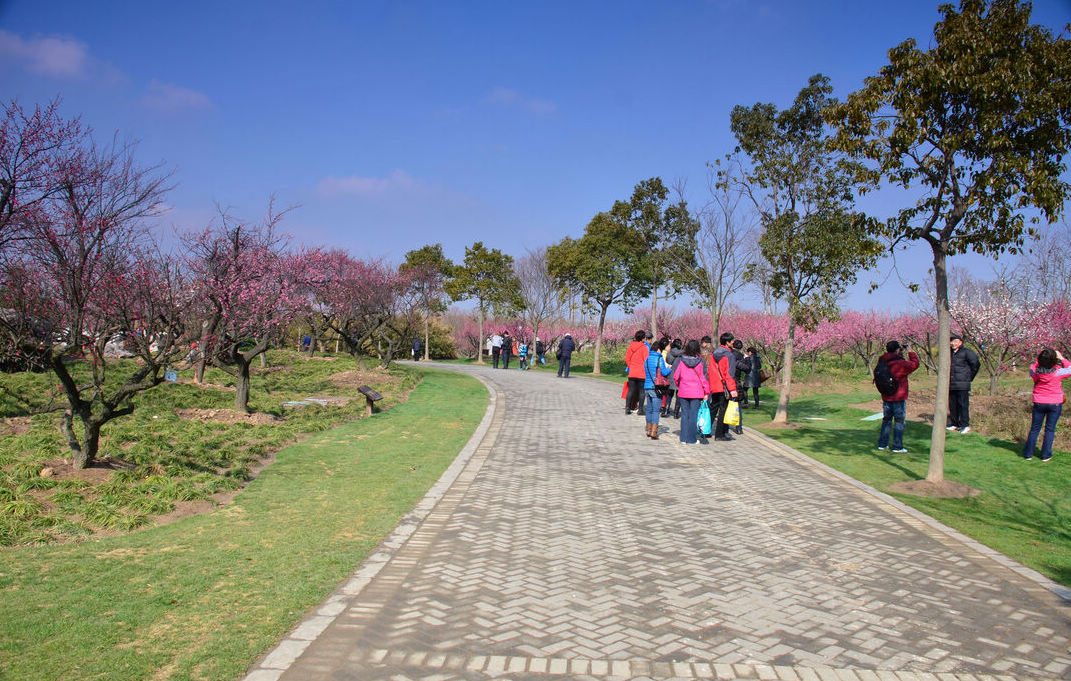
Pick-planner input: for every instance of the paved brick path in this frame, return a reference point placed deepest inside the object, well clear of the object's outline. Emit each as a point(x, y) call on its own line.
point(565, 544)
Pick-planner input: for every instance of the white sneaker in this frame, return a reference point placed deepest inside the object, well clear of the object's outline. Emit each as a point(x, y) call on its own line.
point(882, 449)
point(899, 451)
point(965, 429)
point(952, 428)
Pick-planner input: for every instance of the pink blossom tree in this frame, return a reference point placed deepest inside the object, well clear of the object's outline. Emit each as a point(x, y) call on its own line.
point(998, 326)
point(248, 288)
point(356, 299)
point(77, 271)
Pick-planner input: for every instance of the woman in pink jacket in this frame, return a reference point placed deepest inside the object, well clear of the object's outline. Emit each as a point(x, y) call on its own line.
point(1048, 400)
point(692, 388)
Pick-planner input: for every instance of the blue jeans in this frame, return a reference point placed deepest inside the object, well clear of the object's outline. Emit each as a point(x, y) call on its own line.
point(563, 365)
point(689, 416)
point(654, 405)
point(1049, 414)
point(893, 416)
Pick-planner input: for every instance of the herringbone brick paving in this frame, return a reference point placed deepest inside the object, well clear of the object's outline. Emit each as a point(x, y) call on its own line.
point(571, 546)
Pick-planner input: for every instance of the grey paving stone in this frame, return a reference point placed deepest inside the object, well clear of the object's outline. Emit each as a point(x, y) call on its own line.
point(572, 546)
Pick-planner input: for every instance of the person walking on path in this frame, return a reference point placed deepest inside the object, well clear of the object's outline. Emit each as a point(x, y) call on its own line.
point(963, 369)
point(753, 379)
point(894, 404)
point(565, 355)
point(676, 351)
point(540, 351)
point(635, 356)
point(654, 367)
point(496, 349)
point(722, 384)
point(507, 349)
point(743, 368)
point(692, 387)
point(522, 356)
point(1048, 400)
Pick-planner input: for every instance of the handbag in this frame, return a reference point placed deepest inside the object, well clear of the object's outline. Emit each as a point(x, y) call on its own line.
point(732, 414)
point(624, 390)
point(764, 375)
point(724, 388)
point(702, 424)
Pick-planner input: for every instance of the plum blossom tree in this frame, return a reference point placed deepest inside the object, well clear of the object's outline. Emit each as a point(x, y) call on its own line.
point(248, 289)
point(998, 324)
point(355, 298)
point(77, 269)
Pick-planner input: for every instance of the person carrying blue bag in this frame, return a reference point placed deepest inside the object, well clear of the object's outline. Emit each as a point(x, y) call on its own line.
point(654, 364)
point(692, 388)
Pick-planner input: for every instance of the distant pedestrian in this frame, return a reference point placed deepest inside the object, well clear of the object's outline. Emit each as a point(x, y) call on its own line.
point(496, 349)
point(522, 355)
point(540, 351)
point(507, 349)
point(565, 355)
point(962, 370)
point(891, 381)
point(1048, 400)
point(418, 348)
point(692, 388)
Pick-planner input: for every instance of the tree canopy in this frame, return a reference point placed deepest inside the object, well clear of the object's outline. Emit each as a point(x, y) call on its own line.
point(977, 127)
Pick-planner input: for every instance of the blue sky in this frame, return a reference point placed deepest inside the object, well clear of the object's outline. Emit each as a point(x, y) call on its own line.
point(397, 124)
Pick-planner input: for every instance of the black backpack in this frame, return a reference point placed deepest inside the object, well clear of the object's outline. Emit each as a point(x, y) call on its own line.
point(884, 380)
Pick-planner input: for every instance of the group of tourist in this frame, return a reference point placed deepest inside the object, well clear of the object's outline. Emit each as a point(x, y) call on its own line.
point(891, 378)
point(675, 378)
point(501, 347)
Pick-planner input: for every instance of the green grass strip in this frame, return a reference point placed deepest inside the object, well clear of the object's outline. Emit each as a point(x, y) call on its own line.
point(1023, 510)
point(203, 598)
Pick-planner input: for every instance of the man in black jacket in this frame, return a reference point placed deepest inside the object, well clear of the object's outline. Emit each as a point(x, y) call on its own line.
point(963, 369)
point(565, 355)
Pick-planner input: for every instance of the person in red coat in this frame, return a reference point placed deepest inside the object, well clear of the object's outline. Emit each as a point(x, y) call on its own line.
point(894, 405)
point(635, 355)
point(720, 374)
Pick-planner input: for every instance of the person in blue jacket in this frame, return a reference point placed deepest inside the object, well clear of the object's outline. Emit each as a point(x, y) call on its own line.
point(653, 365)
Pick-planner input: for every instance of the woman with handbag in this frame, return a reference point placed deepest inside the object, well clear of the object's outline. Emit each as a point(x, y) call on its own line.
point(692, 388)
point(654, 368)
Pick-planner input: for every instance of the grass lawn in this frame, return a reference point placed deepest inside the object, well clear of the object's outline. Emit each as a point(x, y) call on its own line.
point(203, 597)
point(1023, 511)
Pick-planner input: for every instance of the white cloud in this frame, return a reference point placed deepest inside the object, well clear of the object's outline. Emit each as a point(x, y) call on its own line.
point(395, 181)
point(52, 56)
point(171, 98)
point(512, 98)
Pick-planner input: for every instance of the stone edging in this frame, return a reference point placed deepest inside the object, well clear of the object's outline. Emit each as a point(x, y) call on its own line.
point(275, 663)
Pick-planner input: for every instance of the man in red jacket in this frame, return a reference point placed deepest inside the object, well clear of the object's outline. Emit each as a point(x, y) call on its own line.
point(894, 405)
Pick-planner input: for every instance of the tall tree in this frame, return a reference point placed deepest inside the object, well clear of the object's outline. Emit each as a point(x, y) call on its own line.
point(978, 125)
point(541, 295)
point(666, 235)
point(724, 248)
point(602, 266)
point(426, 269)
point(486, 277)
point(811, 239)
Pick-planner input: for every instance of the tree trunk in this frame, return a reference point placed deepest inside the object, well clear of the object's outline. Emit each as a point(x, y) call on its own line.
point(596, 368)
point(654, 313)
point(199, 370)
point(480, 338)
point(427, 336)
point(781, 416)
point(993, 378)
point(936, 470)
point(84, 451)
point(241, 386)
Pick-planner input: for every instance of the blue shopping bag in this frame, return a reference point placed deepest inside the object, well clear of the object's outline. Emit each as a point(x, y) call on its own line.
point(703, 423)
